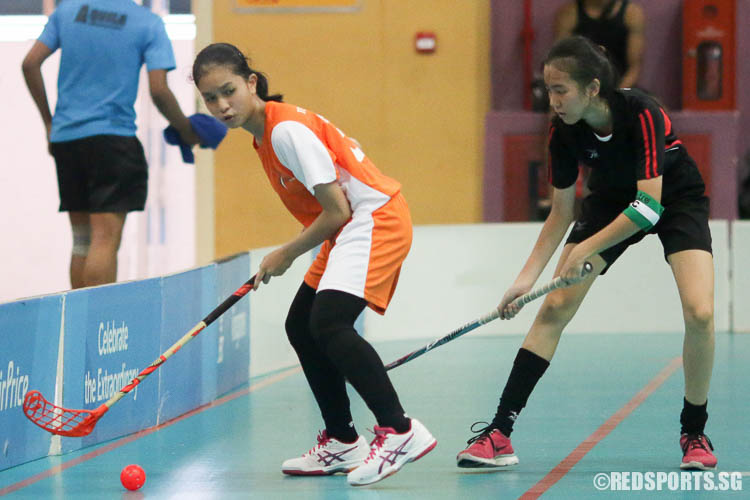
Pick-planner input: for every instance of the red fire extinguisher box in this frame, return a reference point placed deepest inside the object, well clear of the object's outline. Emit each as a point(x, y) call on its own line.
point(708, 48)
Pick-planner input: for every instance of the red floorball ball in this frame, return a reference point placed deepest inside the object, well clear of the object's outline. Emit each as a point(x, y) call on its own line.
point(132, 477)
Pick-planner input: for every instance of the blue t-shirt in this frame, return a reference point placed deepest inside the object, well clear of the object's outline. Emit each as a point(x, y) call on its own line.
point(104, 44)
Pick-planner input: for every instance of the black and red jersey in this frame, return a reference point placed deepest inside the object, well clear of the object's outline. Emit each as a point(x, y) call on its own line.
point(643, 145)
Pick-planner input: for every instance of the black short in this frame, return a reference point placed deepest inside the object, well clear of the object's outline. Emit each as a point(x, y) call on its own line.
point(101, 173)
point(683, 226)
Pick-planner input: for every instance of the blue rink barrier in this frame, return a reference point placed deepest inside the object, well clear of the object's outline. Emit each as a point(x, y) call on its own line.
point(233, 356)
point(188, 379)
point(109, 334)
point(29, 339)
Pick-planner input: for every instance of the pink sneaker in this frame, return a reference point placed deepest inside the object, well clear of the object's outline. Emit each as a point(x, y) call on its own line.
point(489, 448)
point(697, 452)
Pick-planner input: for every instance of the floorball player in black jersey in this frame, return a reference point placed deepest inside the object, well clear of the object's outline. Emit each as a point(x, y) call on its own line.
point(642, 181)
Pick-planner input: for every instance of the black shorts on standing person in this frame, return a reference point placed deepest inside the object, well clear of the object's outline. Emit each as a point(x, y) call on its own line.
point(101, 173)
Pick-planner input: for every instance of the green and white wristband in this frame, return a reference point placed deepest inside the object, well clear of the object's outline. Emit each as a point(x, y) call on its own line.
point(644, 211)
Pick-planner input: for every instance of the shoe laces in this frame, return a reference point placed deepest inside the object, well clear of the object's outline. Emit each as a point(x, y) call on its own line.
point(482, 433)
point(380, 436)
point(694, 441)
point(323, 440)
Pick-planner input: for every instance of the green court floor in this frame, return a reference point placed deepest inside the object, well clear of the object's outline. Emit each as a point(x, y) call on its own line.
point(608, 404)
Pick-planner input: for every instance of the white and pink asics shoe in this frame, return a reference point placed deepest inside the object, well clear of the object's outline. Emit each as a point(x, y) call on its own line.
point(328, 457)
point(390, 451)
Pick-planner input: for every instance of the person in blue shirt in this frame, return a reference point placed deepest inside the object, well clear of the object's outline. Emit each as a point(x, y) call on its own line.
point(101, 167)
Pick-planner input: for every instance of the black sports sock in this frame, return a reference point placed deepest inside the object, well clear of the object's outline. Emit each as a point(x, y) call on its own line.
point(693, 417)
point(528, 368)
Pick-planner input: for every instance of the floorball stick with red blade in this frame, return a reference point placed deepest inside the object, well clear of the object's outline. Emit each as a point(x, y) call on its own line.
point(78, 423)
point(492, 315)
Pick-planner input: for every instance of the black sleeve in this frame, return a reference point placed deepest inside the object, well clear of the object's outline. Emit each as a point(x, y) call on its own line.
point(563, 165)
point(648, 141)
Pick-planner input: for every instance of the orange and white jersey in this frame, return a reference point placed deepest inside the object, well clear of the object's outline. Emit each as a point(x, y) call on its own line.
point(300, 150)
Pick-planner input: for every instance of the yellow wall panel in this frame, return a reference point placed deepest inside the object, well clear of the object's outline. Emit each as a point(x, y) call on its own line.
point(418, 117)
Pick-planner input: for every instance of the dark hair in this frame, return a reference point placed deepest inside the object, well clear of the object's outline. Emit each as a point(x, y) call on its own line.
point(584, 61)
point(225, 54)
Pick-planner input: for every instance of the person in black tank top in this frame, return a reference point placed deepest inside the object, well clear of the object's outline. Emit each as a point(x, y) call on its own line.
point(617, 25)
point(643, 182)
point(608, 30)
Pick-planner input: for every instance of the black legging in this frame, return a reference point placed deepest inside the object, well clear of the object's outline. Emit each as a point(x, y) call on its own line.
point(320, 327)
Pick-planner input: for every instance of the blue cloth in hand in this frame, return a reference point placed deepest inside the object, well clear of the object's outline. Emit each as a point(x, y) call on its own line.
point(210, 130)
